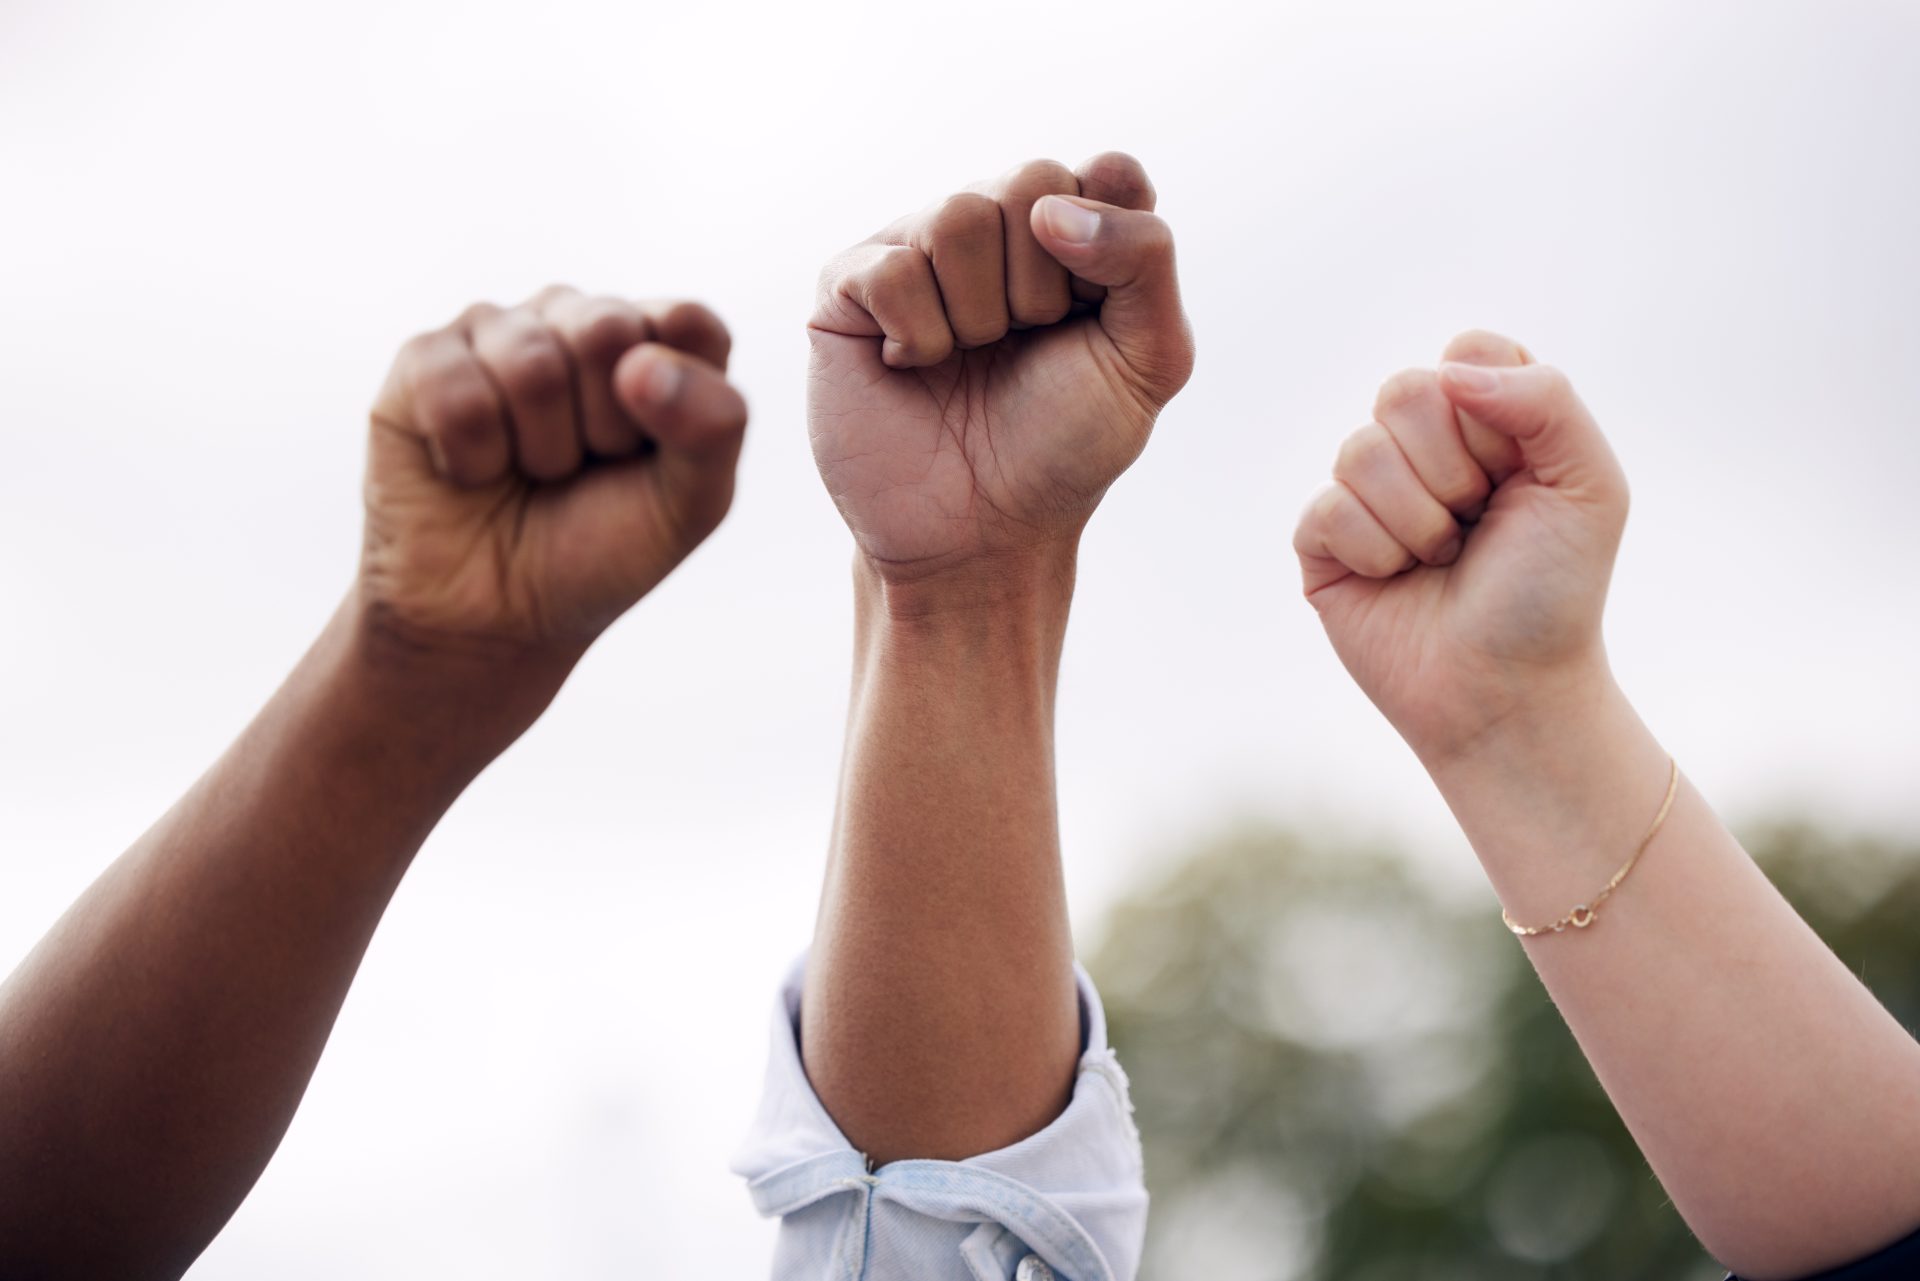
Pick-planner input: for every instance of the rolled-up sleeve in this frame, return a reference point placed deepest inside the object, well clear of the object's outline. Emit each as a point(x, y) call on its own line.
point(1898, 1262)
point(1068, 1202)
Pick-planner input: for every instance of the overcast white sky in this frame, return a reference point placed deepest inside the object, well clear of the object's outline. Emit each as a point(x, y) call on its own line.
point(218, 220)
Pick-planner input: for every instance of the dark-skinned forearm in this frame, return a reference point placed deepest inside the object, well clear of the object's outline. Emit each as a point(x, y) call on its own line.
point(154, 1046)
point(940, 1010)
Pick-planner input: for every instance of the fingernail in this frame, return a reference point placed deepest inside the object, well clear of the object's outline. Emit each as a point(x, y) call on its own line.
point(1075, 224)
point(661, 380)
point(1450, 553)
point(1471, 378)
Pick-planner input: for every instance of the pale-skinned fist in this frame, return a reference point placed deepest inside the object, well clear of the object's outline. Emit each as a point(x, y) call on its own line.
point(983, 370)
point(1460, 556)
point(534, 470)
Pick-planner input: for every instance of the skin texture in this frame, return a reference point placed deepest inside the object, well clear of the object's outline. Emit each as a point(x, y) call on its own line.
point(981, 372)
point(1459, 561)
point(531, 473)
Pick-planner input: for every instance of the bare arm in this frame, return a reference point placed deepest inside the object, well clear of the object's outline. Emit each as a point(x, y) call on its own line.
point(967, 418)
point(942, 944)
point(154, 1046)
point(1776, 1099)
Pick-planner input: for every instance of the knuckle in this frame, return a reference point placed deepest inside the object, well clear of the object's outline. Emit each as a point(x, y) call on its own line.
point(1363, 452)
point(832, 277)
point(416, 355)
point(967, 215)
point(1554, 381)
point(439, 368)
point(461, 418)
point(421, 343)
point(928, 348)
point(535, 369)
point(1123, 175)
point(899, 267)
point(1036, 178)
point(1406, 388)
point(1484, 347)
point(604, 330)
point(474, 314)
point(552, 294)
point(1436, 531)
point(697, 320)
point(1317, 516)
point(1465, 489)
point(1156, 235)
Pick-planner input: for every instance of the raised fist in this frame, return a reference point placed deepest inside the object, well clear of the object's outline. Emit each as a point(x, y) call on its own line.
point(1460, 556)
point(984, 369)
point(535, 470)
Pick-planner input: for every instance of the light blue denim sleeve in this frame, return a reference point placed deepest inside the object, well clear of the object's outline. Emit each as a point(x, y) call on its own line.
point(1068, 1202)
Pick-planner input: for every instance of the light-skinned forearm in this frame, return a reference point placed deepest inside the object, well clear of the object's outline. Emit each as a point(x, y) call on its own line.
point(940, 1015)
point(155, 1044)
point(1778, 1102)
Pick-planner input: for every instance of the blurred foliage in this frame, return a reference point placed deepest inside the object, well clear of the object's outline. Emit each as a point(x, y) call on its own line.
point(1342, 1073)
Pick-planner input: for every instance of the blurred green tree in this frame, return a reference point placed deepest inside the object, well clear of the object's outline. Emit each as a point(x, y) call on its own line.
point(1344, 1073)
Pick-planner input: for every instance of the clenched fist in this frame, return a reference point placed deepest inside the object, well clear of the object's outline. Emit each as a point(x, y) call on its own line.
point(535, 470)
point(984, 369)
point(1460, 556)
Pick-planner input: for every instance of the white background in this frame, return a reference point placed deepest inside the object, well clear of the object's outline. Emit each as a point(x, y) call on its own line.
point(218, 220)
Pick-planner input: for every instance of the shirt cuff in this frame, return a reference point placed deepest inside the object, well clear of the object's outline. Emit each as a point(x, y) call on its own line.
point(1897, 1262)
point(1073, 1193)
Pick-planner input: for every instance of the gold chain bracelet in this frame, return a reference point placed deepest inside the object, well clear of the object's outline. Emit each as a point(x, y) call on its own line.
point(1582, 914)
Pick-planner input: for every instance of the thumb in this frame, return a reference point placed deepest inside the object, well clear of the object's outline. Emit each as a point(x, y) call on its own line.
point(1536, 407)
point(657, 508)
point(1130, 252)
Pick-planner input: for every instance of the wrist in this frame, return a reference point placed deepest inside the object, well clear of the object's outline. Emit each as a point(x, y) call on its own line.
point(446, 707)
point(1001, 584)
point(985, 605)
point(1556, 796)
point(988, 633)
point(1490, 718)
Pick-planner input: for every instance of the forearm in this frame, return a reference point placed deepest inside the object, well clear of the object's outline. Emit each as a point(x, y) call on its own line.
point(155, 1044)
point(940, 1013)
point(1775, 1098)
